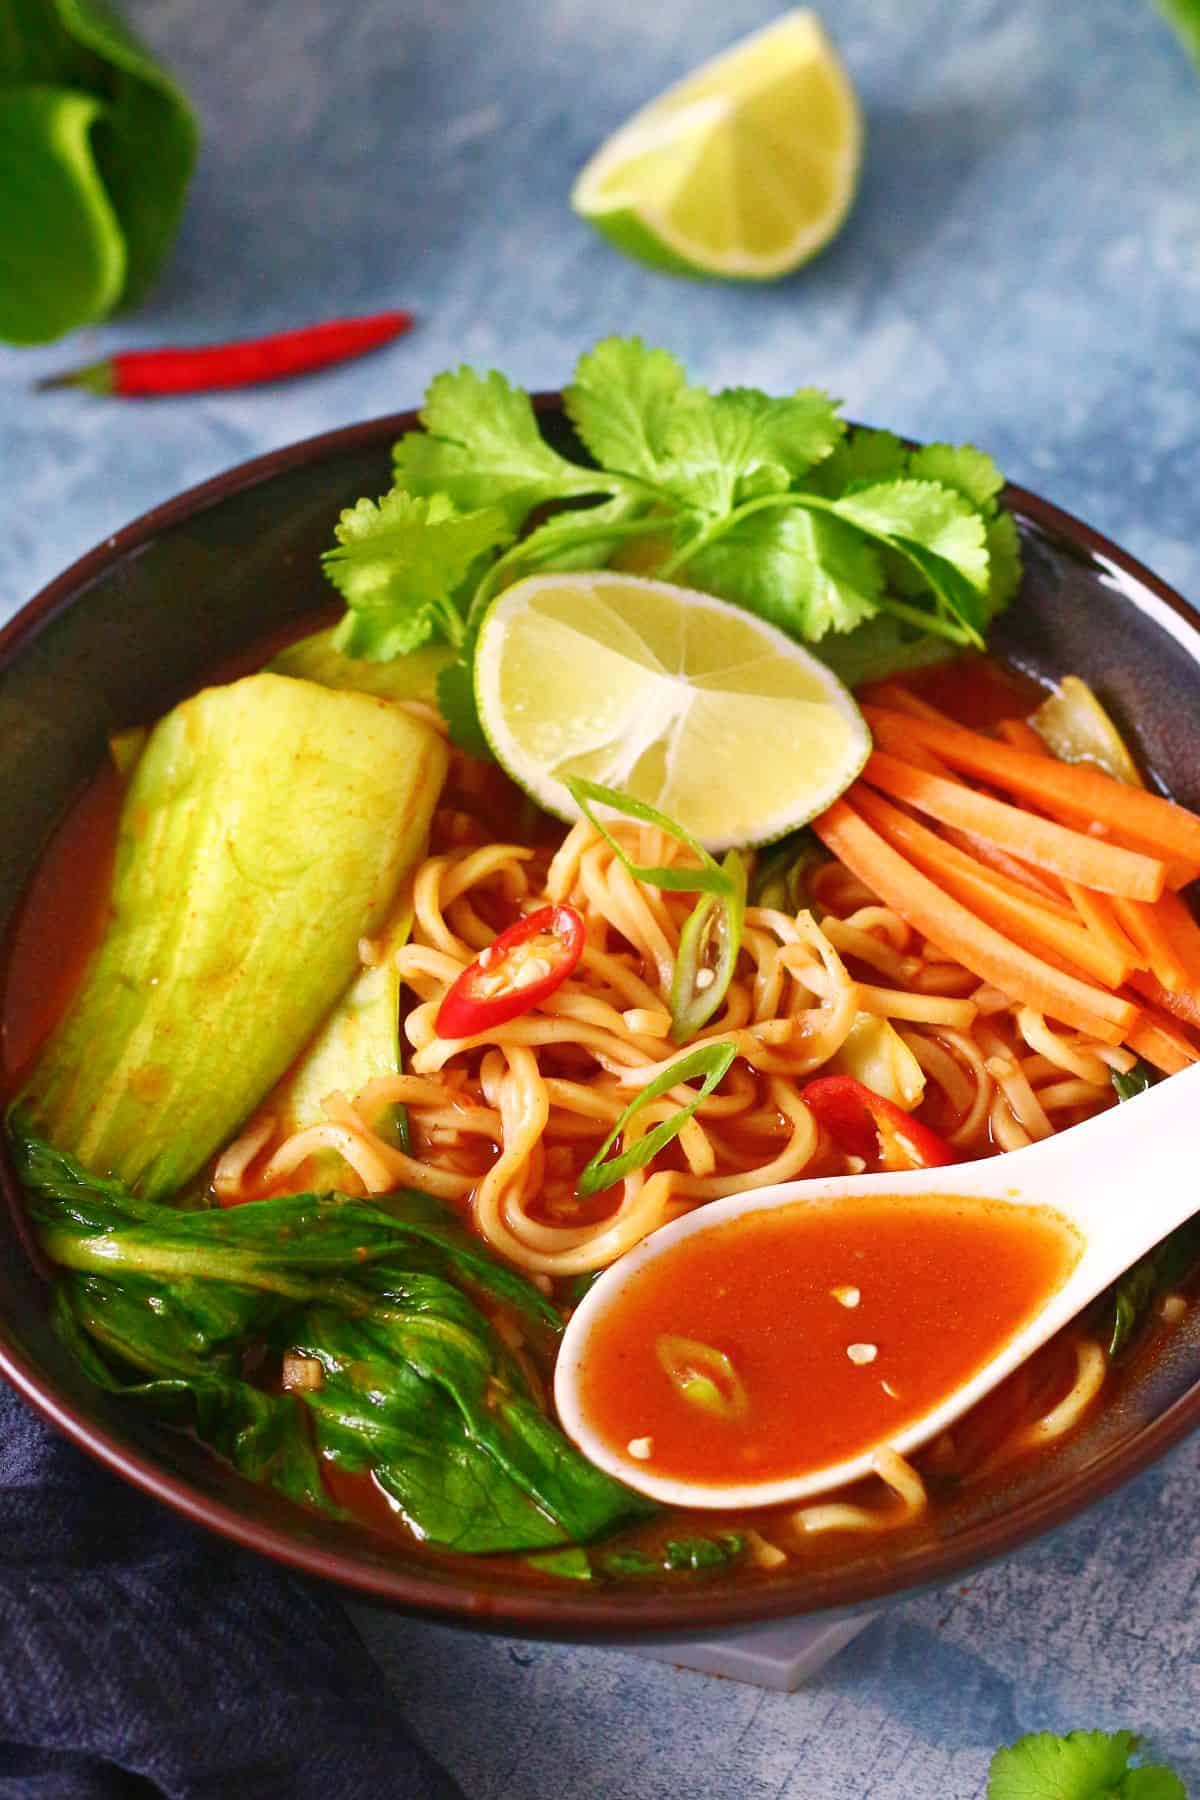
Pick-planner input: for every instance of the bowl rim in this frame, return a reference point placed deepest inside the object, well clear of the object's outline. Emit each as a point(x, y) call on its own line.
point(537, 1612)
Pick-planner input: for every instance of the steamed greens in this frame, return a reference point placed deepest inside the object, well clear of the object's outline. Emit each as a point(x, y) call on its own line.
point(267, 827)
point(766, 502)
point(390, 1298)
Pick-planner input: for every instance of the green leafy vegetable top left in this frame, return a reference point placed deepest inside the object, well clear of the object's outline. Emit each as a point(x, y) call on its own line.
point(97, 146)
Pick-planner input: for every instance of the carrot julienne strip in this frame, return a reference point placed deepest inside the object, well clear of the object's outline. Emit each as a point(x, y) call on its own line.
point(1008, 910)
point(1018, 874)
point(1183, 934)
point(1021, 735)
point(1161, 1044)
point(1144, 926)
point(886, 693)
point(1095, 909)
point(1067, 853)
point(1183, 1005)
point(974, 943)
point(1085, 792)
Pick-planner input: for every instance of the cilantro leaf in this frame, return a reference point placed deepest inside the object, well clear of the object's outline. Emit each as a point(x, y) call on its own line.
point(482, 447)
point(397, 563)
point(1004, 560)
point(1152, 1782)
point(456, 703)
point(620, 403)
point(864, 457)
point(1084, 1765)
point(585, 537)
point(872, 458)
point(806, 572)
point(882, 552)
point(939, 532)
point(960, 467)
point(925, 514)
point(738, 444)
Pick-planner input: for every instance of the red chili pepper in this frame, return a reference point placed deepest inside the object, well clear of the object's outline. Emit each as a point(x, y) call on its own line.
point(865, 1124)
point(138, 373)
point(526, 962)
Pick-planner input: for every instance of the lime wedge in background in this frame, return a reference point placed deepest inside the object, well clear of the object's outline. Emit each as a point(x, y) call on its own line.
point(744, 169)
point(677, 698)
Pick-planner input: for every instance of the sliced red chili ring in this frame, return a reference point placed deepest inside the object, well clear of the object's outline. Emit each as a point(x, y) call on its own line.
point(866, 1125)
point(525, 964)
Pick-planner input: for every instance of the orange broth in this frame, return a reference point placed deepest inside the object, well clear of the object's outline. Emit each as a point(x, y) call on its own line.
point(943, 1283)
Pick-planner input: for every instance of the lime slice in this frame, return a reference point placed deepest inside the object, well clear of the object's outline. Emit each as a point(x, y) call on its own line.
point(745, 169)
point(677, 698)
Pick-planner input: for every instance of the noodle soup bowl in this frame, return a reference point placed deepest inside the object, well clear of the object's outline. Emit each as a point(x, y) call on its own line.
point(130, 629)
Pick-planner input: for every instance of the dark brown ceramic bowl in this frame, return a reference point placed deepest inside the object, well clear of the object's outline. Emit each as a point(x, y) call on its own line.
point(127, 630)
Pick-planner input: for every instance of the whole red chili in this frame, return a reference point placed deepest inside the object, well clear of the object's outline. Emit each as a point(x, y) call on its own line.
point(522, 966)
point(865, 1124)
point(141, 373)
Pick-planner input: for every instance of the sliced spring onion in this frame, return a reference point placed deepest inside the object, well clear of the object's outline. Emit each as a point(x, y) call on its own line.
point(702, 1375)
point(709, 878)
point(709, 1060)
point(1134, 1081)
point(708, 951)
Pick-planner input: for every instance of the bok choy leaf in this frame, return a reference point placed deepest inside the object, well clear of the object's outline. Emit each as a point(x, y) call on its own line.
point(391, 1299)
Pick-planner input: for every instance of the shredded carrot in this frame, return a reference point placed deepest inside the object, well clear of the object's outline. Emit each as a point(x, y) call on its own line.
point(1021, 735)
point(1162, 1044)
point(1183, 934)
point(1025, 883)
point(1002, 904)
point(1183, 1005)
point(1145, 927)
point(1047, 887)
point(982, 949)
point(887, 693)
point(1096, 911)
point(1085, 792)
point(1070, 854)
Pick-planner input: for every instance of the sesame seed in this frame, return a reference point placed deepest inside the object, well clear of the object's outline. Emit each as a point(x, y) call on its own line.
point(641, 1448)
point(705, 978)
point(862, 1353)
point(889, 1390)
point(846, 1296)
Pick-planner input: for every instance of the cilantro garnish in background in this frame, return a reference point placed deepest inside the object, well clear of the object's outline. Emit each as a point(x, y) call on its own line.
point(767, 502)
point(1084, 1765)
point(96, 149)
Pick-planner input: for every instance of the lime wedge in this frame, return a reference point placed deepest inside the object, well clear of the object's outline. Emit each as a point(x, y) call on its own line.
point(677, 698)
point(744, 169)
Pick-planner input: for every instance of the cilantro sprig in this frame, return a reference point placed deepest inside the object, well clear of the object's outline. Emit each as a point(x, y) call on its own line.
point(1084, 1765)
point(766, 501)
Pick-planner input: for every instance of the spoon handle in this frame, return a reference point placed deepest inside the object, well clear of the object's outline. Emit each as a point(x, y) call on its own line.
point(1124, 1179)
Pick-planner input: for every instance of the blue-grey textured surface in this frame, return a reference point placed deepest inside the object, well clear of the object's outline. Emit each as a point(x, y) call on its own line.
point(1023, 267)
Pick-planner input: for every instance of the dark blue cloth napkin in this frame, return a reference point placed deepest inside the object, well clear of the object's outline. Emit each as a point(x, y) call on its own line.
point(142, 1658)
